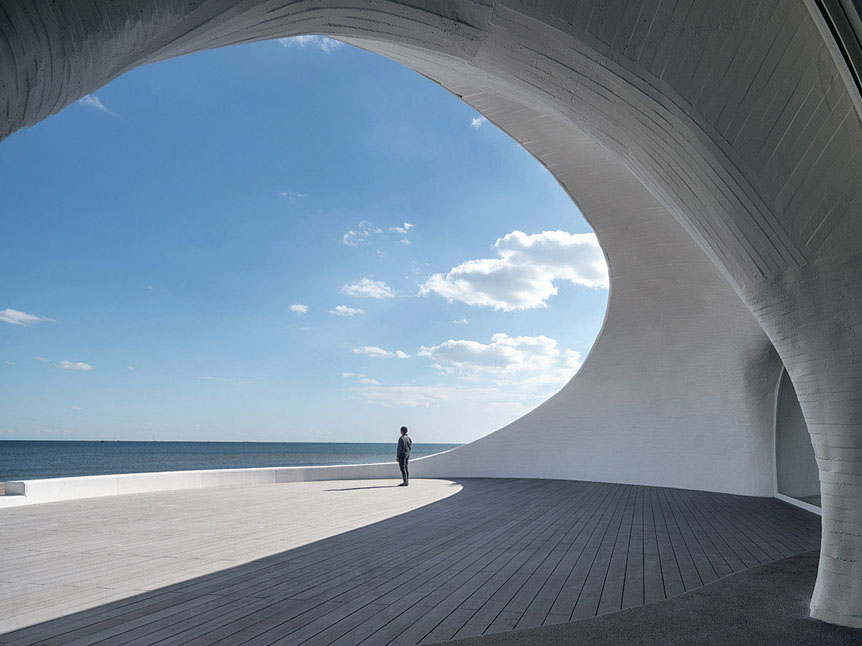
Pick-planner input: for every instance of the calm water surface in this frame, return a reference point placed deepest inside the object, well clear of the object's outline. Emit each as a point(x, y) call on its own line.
point(27, 460)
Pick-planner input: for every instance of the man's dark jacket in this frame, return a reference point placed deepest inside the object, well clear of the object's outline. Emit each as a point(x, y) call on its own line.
point(404, 446)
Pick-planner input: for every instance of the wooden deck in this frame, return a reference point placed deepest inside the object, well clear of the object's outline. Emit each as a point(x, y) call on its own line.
point(497, 555)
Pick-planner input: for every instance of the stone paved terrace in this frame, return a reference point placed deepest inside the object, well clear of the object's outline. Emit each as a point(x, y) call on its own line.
point(364, 562)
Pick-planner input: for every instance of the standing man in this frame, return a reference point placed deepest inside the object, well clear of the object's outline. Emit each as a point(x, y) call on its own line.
point(403, 455)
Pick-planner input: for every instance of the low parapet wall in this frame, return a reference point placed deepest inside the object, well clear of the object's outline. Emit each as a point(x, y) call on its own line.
point(56, 489)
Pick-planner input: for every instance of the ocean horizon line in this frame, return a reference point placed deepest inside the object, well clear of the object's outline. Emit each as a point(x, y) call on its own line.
point(216, 441)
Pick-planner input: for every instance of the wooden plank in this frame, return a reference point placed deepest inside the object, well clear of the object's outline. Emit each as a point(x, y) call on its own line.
point(633, 585)
point(687, 568)
point(591, 593)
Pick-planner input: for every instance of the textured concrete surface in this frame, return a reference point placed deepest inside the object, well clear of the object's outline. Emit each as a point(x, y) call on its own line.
point(739, 118)
point(814, 317)
point(766, 605)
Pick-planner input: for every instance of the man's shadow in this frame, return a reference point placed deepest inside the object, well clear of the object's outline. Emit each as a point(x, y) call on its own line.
point(369, 487)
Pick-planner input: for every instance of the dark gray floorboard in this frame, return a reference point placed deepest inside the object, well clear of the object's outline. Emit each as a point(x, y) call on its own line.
point(765, 605)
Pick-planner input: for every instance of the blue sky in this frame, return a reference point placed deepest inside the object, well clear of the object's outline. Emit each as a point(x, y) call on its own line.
point(283, 241)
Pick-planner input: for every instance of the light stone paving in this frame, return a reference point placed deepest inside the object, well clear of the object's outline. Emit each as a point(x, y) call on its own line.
point(59, 558)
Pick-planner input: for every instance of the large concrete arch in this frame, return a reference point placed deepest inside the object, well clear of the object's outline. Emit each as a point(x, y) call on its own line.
point(691, 133)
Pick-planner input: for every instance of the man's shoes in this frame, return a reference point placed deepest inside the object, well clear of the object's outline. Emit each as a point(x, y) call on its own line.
point(403, 484)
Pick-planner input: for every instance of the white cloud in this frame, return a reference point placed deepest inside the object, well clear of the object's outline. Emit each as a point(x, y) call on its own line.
point(130, 368)
point(348, 375)
point(360, 235)
point(343, 310)
point(299, 308)
point(461, 321)
point(293, 198)
point(497, 399)
point(92, 101)
point(380, 353)
point(403, 229)
point(322, 42)
point(368, 288)
point(42, 359)
point(369, 382)
point(74, 365)
point(509, 375)
point(524, 274)
point(525, 360)
point(10, 363)
point(404, 241)
point(16, 317)
point(477, 122)
point(374, 352)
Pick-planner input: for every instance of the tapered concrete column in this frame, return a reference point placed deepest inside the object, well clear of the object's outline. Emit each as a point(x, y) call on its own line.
point(813, 315)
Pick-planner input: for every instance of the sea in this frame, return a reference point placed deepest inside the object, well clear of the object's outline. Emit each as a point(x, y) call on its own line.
point(28, 460)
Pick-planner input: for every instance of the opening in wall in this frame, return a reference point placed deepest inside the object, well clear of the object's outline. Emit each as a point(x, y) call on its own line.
point(796, 475)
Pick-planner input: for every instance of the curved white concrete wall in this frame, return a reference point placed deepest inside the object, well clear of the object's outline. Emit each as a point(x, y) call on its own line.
point(677, 390)
point(736, 117)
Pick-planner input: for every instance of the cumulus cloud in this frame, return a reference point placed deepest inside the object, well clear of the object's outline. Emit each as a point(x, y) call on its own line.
point(343, 310)
point(16, 317)
point(461, 321)
point(299, 308)
point(322, 42)
point(74, 365)
point(525, 273)
point(401, 354)
point(369, 382)
point(92, 101)
point(509, 375)
point(506, 359)
point(368, 288)
point(402, 229)
point(348, 375)
point(477, 122)
point(361, 234)
point(374, 352)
